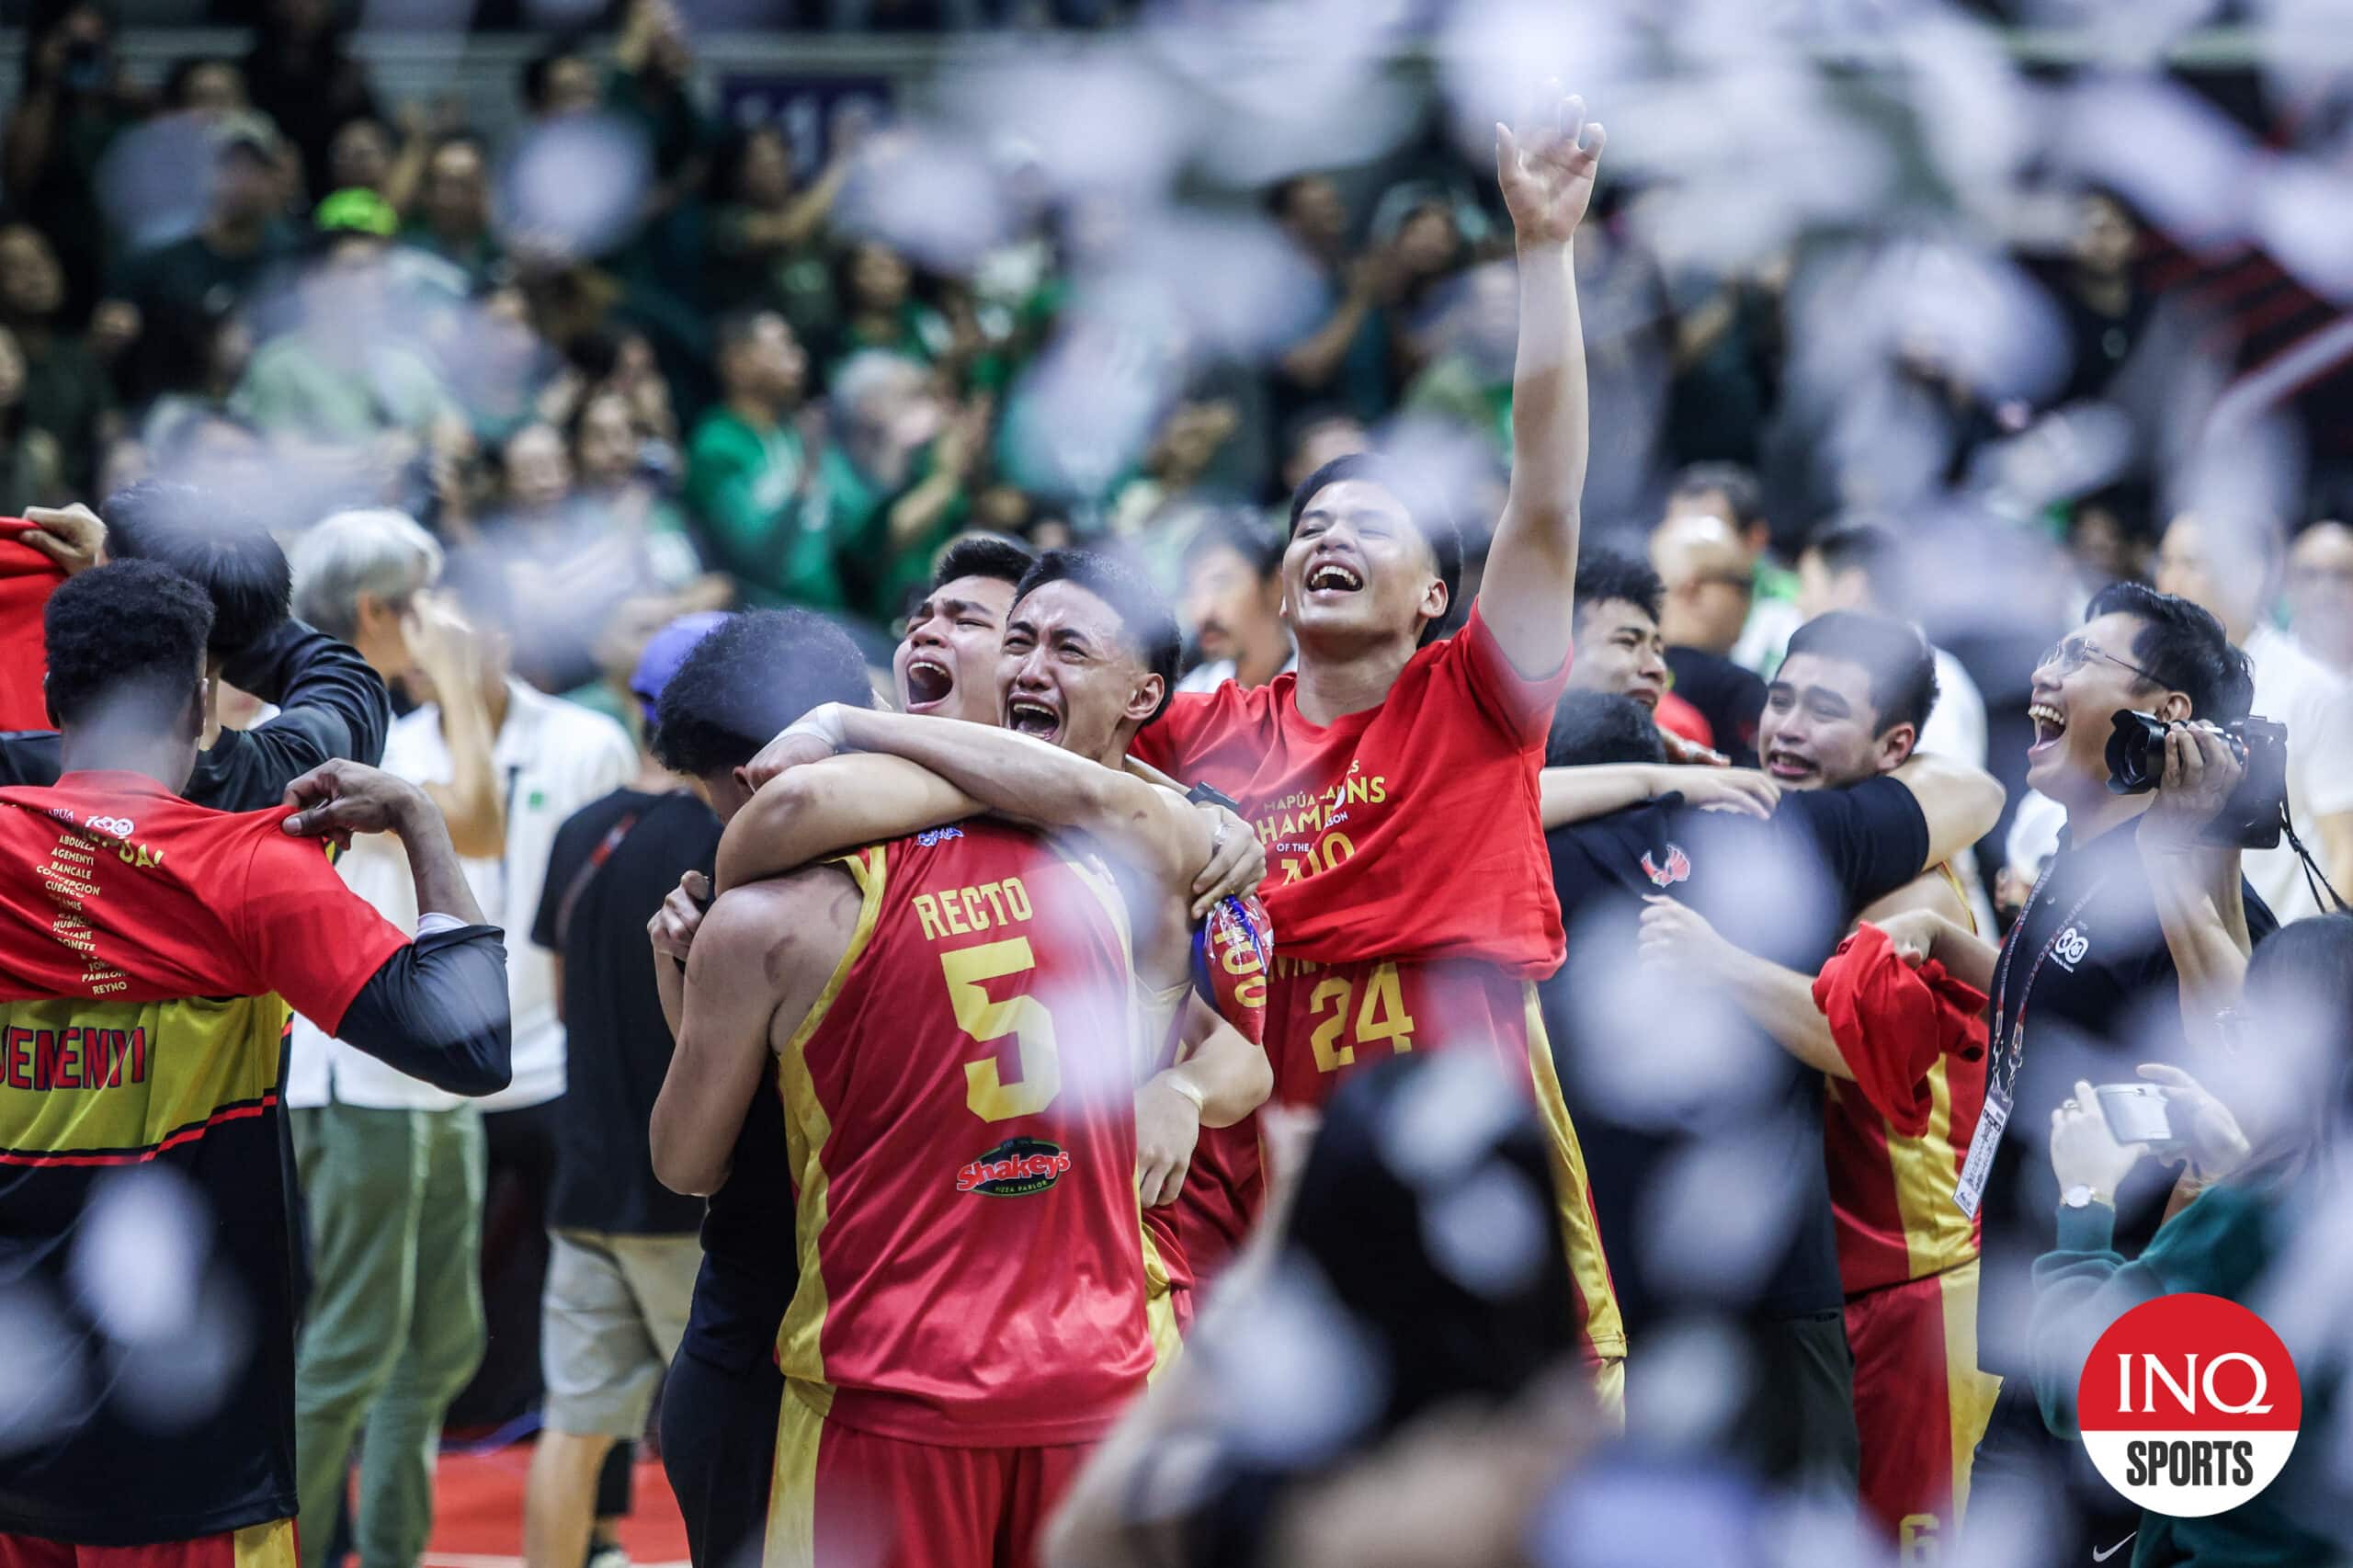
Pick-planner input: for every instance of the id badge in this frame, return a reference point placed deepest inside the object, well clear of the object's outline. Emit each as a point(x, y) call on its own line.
point(1970, 1191)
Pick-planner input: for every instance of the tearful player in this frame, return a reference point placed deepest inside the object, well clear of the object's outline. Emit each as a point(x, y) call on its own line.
point(1088, 656)
point(946, 665)
point(956, 1092)
point(1394, 779)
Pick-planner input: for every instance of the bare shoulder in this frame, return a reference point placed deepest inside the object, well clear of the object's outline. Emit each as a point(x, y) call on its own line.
point(785, 928)
point(1931, 890)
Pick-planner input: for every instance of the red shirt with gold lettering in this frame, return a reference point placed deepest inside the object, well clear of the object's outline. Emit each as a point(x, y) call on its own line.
point(1407, 879)
point(959, 1115)
point(149, 948)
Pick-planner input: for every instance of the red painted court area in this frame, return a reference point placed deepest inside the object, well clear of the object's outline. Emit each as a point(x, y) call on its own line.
point(478, 1513)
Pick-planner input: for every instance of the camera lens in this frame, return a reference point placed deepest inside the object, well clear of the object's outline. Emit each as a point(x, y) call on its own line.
point(2135, 753)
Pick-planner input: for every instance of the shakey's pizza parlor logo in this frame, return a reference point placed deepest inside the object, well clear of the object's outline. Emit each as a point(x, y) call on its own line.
point(1014, 1168)
point(2188, 1405)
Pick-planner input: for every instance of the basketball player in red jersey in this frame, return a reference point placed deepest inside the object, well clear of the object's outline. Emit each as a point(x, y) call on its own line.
point(952, 1027)
point(946, 665)
point(1089, 654)
point(1393, 778)
point(1902, 1054)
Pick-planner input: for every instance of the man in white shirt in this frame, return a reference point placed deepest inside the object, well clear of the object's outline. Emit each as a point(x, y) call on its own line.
point(394, 1171)
point(2232, 569)
point(1729, 495)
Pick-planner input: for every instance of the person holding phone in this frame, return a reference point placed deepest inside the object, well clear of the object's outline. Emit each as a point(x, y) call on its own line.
point(2257, 1157)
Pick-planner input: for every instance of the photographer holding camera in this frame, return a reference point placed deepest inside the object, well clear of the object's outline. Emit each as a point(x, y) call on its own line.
point(2142, 918)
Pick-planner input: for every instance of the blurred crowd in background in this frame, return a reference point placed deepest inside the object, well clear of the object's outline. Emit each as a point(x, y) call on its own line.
point(1876, 313)
point(652, 342)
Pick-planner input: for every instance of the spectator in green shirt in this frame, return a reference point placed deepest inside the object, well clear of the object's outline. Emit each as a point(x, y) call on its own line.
point(342, 378)
point(453, 217)
point(751, 478)
point(2254, 1220)
point(894, 475)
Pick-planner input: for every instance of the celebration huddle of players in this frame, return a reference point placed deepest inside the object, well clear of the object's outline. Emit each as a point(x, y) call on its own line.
point(975, 1017)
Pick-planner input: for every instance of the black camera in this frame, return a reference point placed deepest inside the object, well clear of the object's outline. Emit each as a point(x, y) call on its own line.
point(2252, 816)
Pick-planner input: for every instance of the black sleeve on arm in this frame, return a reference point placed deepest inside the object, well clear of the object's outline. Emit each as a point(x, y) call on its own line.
point(30, 757)
point(437, 1011)
point(330, 704)
point(1872, 835)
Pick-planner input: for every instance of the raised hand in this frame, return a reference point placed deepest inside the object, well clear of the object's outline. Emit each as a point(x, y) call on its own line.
point(1547, 171)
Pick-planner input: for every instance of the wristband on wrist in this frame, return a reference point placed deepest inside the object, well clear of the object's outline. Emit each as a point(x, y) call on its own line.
point(1189, 1090)
point(820, 723)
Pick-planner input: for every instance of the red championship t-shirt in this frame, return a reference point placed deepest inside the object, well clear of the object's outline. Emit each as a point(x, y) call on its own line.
point(148, 951)
point(1407, 879)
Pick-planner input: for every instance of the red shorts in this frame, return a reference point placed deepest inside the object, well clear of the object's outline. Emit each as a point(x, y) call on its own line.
point(1326, 1020)
point(269, 1545)
point(1920, 1401)
point(843, 1496)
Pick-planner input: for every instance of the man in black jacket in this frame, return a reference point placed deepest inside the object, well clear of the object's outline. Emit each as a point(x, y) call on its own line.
point(331, 705)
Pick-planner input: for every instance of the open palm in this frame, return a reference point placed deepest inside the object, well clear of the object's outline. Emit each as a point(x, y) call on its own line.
point(1547, 172)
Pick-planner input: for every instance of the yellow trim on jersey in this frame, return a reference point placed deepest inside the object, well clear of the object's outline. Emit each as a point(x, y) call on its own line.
point(1969, 1392)
point(1159, 1299)
point(1159, 1308)
point(800, 1353)
point(84, 1082)
point(269, 1545)
point(792, 1535)
point(1605, 1328)
point(1936, 1236)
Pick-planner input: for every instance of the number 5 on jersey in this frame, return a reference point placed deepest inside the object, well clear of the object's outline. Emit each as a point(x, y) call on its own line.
point(1024, 1018)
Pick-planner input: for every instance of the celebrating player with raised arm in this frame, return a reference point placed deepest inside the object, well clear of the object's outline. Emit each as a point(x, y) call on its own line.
point(1089, 650)
point(1393, 778)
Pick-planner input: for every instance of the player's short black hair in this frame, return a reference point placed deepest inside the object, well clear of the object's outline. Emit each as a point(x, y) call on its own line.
point(125, 645)
point(2185, 647)
point(1144, 616)
point(1592, 727)
point(983, 555)
point(1428, 513)
point(1902, 667)
point(1611, 574)
point(755, 673)
point(198, 534)
point(1240, 532)
point(1735, 484)
point(1869, 547)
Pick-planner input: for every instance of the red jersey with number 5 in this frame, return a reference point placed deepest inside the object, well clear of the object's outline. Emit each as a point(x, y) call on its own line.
point(960, 1110)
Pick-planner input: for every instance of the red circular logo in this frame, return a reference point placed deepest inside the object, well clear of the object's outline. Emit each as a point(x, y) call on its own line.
point(2189, 1406)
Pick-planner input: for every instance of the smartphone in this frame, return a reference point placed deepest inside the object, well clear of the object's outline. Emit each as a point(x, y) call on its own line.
point(2138, 1113)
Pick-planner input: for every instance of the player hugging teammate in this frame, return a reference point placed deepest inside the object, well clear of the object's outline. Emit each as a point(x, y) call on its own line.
point(1101, 1029)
